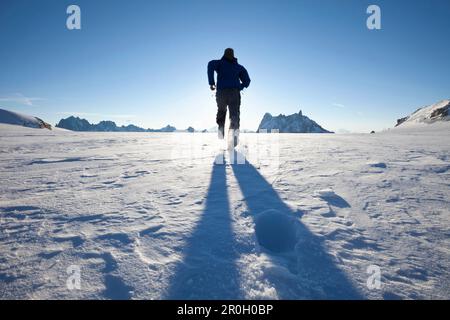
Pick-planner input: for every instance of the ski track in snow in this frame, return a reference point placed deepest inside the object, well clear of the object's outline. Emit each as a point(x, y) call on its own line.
point(150, 216)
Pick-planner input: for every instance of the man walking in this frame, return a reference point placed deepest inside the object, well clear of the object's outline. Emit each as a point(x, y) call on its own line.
point(231, 79)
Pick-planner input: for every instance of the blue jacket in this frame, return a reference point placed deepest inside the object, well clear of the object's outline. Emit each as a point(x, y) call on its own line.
point(230, 74)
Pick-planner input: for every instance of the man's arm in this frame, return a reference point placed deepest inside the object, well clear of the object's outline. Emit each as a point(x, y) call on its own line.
point(244, 77)
point(212, 66)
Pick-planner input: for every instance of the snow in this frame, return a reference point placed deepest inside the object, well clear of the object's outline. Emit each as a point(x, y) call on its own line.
point(424, 116)
point(15, 118)
point(151, 216)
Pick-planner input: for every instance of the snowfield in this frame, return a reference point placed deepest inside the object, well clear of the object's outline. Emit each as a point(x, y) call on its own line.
point(158, 216)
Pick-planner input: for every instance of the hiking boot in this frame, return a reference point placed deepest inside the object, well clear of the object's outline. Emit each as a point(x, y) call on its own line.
point(221, 132)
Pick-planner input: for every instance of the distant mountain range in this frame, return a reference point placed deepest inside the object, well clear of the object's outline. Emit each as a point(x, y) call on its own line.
point(78, 124)
point(294, 123)
point(429, 114)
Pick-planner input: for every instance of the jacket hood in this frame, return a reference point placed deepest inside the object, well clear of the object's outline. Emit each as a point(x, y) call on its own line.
point(234, 60)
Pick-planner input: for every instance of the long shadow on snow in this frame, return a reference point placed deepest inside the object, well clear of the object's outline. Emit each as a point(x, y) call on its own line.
point(316, 275)
point(209, 270)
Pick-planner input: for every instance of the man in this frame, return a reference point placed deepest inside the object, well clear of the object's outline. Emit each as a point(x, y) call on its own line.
point(231, 79)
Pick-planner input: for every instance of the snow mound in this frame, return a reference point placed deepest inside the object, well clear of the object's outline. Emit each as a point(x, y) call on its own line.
point(15, 118)
point(324, 193)
point(436, 112)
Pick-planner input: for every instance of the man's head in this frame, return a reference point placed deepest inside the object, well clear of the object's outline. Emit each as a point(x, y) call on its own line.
point(229, 54)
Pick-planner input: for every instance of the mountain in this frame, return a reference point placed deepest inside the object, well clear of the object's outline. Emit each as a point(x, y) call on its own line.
point(78, 124)
point(20, 119)
point(429, 114)
point(74, 124)
point(294, 123)
point(167, 128)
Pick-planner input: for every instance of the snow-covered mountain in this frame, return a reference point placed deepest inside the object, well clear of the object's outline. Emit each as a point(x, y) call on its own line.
point(294, 123)
point(10, 117)
point(429, 114)
point(78, 124)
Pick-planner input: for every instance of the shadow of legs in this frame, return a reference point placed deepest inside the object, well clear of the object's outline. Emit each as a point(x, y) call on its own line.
point(208, 270)
point(317, 274)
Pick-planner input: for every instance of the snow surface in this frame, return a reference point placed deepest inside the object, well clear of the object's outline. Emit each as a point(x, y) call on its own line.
point(151, 216)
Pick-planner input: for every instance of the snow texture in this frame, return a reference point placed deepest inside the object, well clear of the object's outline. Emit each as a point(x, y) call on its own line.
point(152, 216)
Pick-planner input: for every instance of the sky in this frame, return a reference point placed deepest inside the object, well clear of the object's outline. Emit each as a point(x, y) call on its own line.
point(144, 61)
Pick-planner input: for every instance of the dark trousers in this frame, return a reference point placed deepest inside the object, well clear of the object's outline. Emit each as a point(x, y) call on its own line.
point(230, 98)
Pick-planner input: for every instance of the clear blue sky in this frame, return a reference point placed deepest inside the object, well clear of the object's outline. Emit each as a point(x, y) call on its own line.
point(144, 62)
